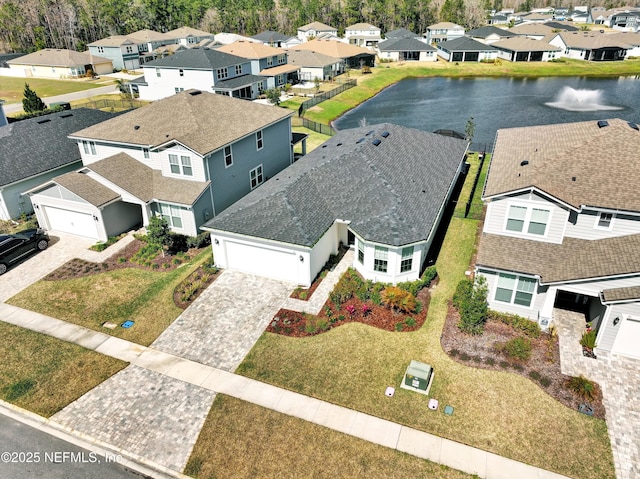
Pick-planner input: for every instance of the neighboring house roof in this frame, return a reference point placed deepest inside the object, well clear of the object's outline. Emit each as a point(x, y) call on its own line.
point(197, 59)
point(279, 70)
point(362, 26)
point(251, 50)
point(537, 17)
point(484, 32)
point(390, 193)
point(561, 262)
point(592, 40)
point(34, 146)
point(5, 57)
point(112, 41)
point(87, 188)
point(58, 58)
point(524, 44)
point(269, 36)
point(444, 26)
point(226, 38)
point(146, 36)
point(566, 26)
point(171, 48)
point(630, 38)
point(192, 118)
point(538, 29)
point(184, 32)
point(465, 44)
point(614, 295)
point(238, 82)
point(317, 26)
point(146, 183)
point(333, 48)
point(310, 59)
point(578, 163)
point(405, 45)
point(401, 33)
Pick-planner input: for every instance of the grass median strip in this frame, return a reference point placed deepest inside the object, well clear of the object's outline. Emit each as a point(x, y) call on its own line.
point(143, 296)
point(44, 374)
point(242, 440)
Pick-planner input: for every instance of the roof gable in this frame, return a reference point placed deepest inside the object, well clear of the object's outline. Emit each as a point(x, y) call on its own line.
point(251, 50)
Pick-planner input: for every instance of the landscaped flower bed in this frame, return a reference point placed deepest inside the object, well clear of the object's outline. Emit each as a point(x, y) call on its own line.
point(355, 300)
point(305, 293)
point(189, 289)
point(498, 348)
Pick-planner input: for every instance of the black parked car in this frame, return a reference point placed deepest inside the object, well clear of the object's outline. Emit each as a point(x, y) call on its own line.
point(15, 247)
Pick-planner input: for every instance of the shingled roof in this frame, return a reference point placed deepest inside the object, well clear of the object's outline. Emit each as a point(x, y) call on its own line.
point(388, 181)
point(405, 44)
point(34, 146)
point(585, 163)
point(561, 262)
point(192, 118)
point(58, 57)
point(197, 58)
point(524, 44)
point(464, 44)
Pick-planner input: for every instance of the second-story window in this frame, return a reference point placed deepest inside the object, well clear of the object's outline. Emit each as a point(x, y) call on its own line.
point(181, 72)
point(145, 153)
point(238, 69)
point(282, 59)
point(259, 140)
point(180, 166)
point(604, 221)
point(228, 157)
point(221, 73)
point(89, 147)
point(158, 73)
point(531, 220)
point(269, 61)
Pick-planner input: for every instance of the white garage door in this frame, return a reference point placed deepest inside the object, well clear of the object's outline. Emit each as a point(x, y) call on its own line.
point(262, 261)
point(628, 339)
point(81, 224)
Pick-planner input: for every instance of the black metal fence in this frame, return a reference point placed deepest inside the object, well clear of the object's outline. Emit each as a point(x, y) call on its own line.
point(467, 207)
point(112, 104)
point(313, 125)
point(320, 97)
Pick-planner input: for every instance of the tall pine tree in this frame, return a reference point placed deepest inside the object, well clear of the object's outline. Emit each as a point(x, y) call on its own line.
point(32, 103)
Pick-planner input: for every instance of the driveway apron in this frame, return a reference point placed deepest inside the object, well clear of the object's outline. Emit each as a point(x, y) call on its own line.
point(223, 324)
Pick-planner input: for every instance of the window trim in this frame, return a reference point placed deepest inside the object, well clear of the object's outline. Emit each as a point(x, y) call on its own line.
point(146, 153)
point(259, 140)
point(527, 219)
point(178, 161)
point(89, 147)
point(515, 290)
point(222, 73)
point(170, 217)
point(406, 259)
point(238, 70)
point(597, 224)
point(259, 176)
point(381, 259)
point(361, 252)
point(227, 156)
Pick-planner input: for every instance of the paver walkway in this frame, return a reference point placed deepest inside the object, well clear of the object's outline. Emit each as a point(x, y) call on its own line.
point(206, 378)
point(225, 321)
point(619, 378)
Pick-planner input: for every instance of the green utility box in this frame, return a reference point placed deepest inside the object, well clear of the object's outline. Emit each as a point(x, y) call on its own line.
point(418, 377)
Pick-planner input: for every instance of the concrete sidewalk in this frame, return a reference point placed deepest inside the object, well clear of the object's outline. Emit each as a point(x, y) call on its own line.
point(370, 428)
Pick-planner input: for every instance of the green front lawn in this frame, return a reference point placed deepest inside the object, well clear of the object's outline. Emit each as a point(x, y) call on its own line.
point(11, 89)
point(44, 374)
point(143, 296)
point(243, 440)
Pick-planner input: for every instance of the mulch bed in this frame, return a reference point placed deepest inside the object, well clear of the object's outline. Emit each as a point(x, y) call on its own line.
point(295, 324)
point(305, 294)
point(201, 279)
point(543, 367)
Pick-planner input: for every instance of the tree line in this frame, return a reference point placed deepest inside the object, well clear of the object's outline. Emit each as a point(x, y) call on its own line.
point(30, 25)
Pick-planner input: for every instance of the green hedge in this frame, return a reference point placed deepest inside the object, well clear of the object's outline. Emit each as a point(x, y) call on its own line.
point(527, 326)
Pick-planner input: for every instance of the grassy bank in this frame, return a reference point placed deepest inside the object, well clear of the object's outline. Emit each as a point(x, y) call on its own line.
point(387, 74)
point(11, 89)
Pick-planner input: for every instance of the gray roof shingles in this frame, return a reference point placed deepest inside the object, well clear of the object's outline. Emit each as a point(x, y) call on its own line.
point(34, 146)
point(465, 44)
point(405, 44)
point(198, 59)
point(391, 193)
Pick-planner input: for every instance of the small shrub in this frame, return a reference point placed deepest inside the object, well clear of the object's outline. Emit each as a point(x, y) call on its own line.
point(465, 356)
point(200, 241)
point(155, 266)
point(535, 375)
point(454, 352)
point(399, 326)
point(166, 265)
point(545, 381)
point(376, 299)
point(409, 321)
point(588, 339)
point(524, 325)
point(158, 231)
point(518, 348)
point(341, 317)
point(122, 260)
point(176, 261)
point(322, 324)
point(398, 299)
point(582, 387)
point(210, 268)
point(503, 364)
point(490, 361)
point(303, 295)
point(477, 359)
point(471, 300)
point(518, 367)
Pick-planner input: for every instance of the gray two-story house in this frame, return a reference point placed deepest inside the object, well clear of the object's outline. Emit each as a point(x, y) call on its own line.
point(562, 228)
point(186, 157)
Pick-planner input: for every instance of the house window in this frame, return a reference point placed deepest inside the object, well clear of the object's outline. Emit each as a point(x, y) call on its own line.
point(186, 166)
point(269, 61)
point(381, 259)
point(100, 49)
point(604, 221)
point(516, 290)
point(89, 147)
point(360, 252)
point(282, 59)
point(256, 177)
point(173, 163)
point(221, 73)
point(129, 49)
point(178, 89)
point(530, 220)
point(238, 69)
point(183, 166)
point(172, 214)
point(407, 259)
point(259, 142)
point(181, 72)
point(145, 153)
point(228, 157)
point(158, 74)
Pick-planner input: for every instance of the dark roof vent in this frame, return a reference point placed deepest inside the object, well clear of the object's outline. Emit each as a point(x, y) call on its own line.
point(324, 146)
point(136, 127)
point(360, 140)
point(66, 115)
point(524, 162)
point(573, 178)
point(195, 92)
point(46, 120)
point(339, 144)
point(633, 125)
point(384, 134)
point(603, 123)
point(369, 133)
point(376, 142)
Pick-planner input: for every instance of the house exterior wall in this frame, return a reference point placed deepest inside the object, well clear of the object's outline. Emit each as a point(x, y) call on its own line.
point(120, 217)
point(13, 203)
point(326, 246)
point(422, 57)
point(497, 211)
point(530, 312)
point(585, 226)
point(324, 73)
point(233, 182)
point(203, 209)
point(189, 226)
point(197, 163)
point(608, 332)
point(394, 258)
point(105, 150)
point(47, 71)
point(119, 55)
point(170, 79)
